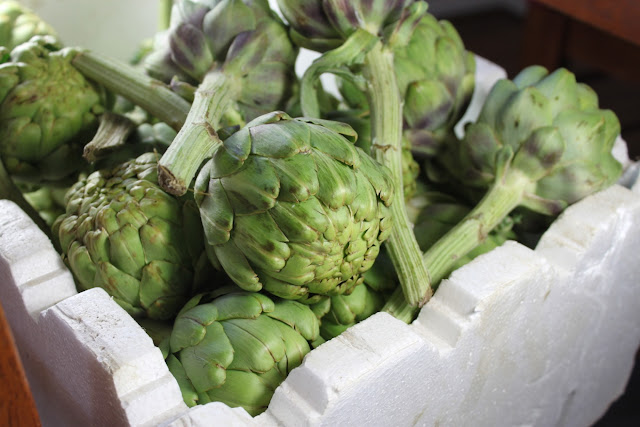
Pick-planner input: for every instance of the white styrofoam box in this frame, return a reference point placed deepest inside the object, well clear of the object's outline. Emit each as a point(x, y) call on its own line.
point(516, 337)
point(82, 353)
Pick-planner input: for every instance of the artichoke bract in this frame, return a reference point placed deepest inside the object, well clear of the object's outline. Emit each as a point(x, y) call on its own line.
point(291, 206)
point(360, 121)
point(340, 312)
point(18, 24)
point(123, 233)
point(237, 348)
point(540, 142)
point(235, 59)
point(47, 109)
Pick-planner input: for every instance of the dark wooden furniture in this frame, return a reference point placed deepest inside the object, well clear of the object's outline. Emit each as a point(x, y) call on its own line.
point(604, 34)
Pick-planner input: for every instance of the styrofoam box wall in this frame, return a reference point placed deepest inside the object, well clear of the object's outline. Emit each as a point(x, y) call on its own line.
point(516, 337)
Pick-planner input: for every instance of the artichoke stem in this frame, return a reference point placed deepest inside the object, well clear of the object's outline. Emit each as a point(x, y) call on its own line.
point(386, 126)
point(9, 191)
point(197, 140)
point(397, 306)
point(152, 95)
point(112, 134)
point(164, 14)
point(504, 195)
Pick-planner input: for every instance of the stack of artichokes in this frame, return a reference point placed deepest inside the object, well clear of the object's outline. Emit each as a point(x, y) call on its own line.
point(252, 214)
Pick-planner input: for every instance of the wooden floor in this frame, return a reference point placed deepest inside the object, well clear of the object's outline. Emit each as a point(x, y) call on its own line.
point(498, 36)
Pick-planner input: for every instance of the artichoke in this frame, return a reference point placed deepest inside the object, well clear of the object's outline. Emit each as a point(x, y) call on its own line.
point(235, 59)
point(48, 201)
point(18, 24)
point(242, 38)
point(123, 233)
point(324, 24)
point(541, 142)
point(292, 207)
point(237, 348)
point(436, 77)
point(361, 123)
point(340, 312)
point(361, 36)
point(47, 110)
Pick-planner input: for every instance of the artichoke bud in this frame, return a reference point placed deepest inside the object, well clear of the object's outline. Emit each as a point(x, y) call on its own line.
point(436, 77)
point(47, 109)
point(361, 123)
point(340, 312)
point(236, 348)
point(18, 24)
point(123, 233)
point(323, 25)
point(293, 207)
point(243, 39)
point(561, 141)
point(310, 26)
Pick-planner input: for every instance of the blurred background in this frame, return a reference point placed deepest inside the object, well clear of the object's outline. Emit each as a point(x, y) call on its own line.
point(599, 40)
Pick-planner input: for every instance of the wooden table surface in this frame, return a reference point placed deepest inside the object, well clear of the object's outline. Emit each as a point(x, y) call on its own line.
point(17, 407)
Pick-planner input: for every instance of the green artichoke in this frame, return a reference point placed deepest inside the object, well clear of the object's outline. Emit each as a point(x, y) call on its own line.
point(360, 121)
point(540, 142)
point(121, 232)
point(436, 77)
point(237, 348)
point(47, 110)
point(361, 36)
point(340, 312)
point(292, 207)
point(48, 201)
point(18, 24)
